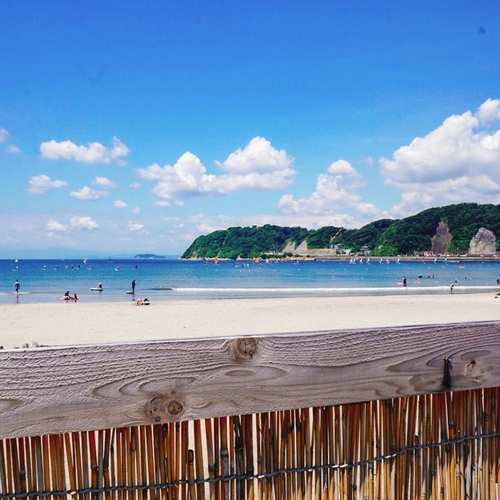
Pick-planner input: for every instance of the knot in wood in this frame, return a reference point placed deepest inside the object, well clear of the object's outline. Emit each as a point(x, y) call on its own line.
point(246, 347)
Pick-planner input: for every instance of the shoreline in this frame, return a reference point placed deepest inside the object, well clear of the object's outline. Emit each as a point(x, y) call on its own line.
point(57, 324)
point(315, 254)
point(325, 254)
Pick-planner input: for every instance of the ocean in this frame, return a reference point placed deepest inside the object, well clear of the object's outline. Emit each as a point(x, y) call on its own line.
point(163, 280)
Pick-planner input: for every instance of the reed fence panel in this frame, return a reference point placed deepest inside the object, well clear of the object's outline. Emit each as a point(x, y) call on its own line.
point(443, 446)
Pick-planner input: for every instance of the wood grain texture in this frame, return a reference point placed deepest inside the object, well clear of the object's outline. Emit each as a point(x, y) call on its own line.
point(76, 388)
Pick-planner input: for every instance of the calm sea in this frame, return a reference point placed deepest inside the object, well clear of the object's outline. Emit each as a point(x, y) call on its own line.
point(162, 280)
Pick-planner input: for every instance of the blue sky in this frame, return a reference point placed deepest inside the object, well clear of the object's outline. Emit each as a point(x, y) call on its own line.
point(131, 127)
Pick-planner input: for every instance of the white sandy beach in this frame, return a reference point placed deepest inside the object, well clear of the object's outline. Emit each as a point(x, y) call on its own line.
point(90, 323)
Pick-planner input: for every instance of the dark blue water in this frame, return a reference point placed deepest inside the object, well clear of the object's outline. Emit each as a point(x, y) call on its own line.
point(47, 280)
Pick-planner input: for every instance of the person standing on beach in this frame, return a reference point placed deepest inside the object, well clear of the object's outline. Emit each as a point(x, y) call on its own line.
point(404, 280)
point(17, 285)
point(133, 286)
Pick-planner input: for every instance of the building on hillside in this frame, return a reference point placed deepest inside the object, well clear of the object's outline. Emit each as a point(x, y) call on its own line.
point(365, 251)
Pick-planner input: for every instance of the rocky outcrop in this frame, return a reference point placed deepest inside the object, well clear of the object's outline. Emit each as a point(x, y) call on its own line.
point(295, 250)
point(483, 243)
point(441, 240)
point(302, 251)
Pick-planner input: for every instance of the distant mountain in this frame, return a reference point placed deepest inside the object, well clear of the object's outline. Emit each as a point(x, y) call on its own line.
point(149, 256)
point(446, 229)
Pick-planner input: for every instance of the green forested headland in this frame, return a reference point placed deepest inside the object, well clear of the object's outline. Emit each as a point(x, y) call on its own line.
point(244, 242)
point(454, 224)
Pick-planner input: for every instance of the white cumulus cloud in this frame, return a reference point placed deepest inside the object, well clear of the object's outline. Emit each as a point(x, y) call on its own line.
point(186, 178)
point(41, 183)
point(258, 156)
point(458, 161)
point(334, 190)
point(88, 194)
point(257, 167)
point(119, 204)
point(368, 212)
point(11, 148)
point(104, 183)
point(135, 227)
point(135, 185)
point(136, 210)
point(53, 225)
point(84, 223)
point(93, 152)
point(489, 111)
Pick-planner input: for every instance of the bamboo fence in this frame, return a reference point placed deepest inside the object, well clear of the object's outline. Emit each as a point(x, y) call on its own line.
point(431, 446)
point(393, 413)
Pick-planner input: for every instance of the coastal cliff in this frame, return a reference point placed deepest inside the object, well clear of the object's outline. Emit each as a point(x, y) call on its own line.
point(483, 243)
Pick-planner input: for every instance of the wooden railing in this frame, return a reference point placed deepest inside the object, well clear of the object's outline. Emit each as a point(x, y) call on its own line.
point(47, 390)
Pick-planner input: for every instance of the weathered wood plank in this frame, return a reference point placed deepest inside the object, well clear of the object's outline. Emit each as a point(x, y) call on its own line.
point(75, 388)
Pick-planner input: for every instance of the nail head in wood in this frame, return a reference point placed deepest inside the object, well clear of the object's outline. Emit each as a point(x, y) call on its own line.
point(162, 407)
point(174, 408)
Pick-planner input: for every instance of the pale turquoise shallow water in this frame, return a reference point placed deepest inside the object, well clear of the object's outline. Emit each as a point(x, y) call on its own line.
point(162, 280)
